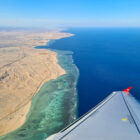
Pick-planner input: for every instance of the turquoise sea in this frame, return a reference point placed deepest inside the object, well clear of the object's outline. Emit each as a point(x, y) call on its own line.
point(53, 107)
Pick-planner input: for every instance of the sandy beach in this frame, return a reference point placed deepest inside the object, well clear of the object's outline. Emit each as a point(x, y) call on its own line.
point(23, 70)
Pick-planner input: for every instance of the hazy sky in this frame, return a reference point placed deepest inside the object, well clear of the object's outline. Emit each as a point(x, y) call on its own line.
point(70, 13)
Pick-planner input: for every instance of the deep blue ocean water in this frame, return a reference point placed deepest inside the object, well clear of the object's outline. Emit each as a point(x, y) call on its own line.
point(108, 60)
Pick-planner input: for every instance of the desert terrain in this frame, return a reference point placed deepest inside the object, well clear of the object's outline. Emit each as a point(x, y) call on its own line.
point(23, 70)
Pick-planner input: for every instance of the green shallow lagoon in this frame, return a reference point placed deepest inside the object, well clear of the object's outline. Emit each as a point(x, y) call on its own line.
point(53, 107)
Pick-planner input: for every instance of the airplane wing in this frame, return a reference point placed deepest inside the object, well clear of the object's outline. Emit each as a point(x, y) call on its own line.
point(113, 119)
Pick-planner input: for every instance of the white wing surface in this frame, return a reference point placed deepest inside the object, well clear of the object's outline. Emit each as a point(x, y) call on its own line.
point(113, 119)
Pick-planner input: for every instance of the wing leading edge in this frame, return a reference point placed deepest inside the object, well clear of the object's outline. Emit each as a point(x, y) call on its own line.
point(113, 119)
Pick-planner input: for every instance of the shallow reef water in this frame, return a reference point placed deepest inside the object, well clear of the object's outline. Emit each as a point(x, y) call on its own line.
point(53, 107)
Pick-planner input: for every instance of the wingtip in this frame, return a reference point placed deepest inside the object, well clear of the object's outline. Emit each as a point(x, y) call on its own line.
point(127, 90)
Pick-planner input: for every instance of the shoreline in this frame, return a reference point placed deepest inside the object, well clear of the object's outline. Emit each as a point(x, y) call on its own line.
point(38, 88)
point(24, 109)
point(26, 106)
